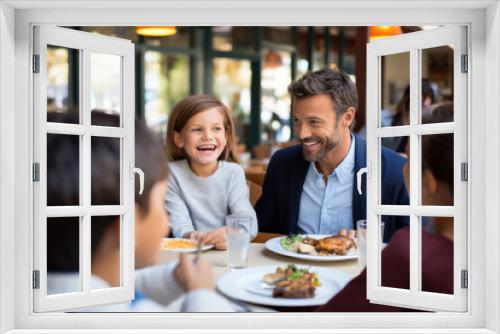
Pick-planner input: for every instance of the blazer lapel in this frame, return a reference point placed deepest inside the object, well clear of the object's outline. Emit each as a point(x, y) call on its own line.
point(359, 201)
point(296, 182)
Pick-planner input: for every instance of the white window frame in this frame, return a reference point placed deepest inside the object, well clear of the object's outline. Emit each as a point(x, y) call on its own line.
point(86, 44)
point(483, 18)
point(413, 45)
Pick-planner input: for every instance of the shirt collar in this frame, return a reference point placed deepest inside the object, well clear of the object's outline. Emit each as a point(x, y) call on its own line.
point(345, 168)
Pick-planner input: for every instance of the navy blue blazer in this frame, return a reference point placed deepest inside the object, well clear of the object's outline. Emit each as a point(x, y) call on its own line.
point(278, 207)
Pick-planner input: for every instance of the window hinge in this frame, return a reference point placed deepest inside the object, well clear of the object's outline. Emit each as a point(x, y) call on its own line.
point(36, 279)
point(464, 279)
point(36, 172)
point(464, 171)
point(36, 63)
point(465, 66)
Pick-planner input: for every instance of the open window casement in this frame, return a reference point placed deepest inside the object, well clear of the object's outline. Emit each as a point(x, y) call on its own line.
point(387, 58)
point(100, 72)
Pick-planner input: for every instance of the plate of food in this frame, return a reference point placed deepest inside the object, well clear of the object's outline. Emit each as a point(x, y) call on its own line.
point(288, 285)
point(315, 247)
point(181, 245)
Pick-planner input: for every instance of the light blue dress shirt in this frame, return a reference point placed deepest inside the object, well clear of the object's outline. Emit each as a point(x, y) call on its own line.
point(327, 208)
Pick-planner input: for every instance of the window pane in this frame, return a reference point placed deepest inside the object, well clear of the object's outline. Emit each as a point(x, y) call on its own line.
point(275, 113)
point(63, 83)
point(166, 82)
point(63, 170)
point(63, 255)
point(231, 84)
point(437, 252)
point(106, 172)
point(403, 145)
point(234, 39)
point(105, 84)
point(437, 170)
point(395, 90)
point(437, 77)
point(105, 234)
point(396, 265)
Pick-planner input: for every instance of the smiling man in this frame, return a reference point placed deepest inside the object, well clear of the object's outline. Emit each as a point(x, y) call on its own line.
point(311, 188)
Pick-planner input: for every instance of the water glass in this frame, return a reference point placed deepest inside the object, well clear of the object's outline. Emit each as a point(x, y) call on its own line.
point(361, 229)
point(238, 241)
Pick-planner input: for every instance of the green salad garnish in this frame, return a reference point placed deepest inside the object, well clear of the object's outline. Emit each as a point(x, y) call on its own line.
point(287, 242)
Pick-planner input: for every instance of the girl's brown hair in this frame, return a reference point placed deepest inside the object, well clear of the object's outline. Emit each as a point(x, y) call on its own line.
point(184, 111)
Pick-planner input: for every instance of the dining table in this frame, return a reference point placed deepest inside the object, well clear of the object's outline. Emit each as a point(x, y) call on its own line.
point(259, 255)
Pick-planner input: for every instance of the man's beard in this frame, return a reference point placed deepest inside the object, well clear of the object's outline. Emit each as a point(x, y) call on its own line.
point(325, 148)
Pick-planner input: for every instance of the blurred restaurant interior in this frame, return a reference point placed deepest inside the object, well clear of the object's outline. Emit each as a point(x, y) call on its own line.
point(247, 68)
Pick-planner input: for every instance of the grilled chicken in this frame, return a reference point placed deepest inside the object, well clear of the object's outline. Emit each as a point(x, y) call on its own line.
point(339, 245)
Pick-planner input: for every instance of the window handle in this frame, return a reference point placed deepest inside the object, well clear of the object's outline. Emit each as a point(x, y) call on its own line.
point(135, 170)
point(359, 176)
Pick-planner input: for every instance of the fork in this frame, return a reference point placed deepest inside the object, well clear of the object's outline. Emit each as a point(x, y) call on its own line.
point(198, 251)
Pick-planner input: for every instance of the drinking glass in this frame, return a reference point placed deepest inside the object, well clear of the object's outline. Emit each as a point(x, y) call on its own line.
point(238, 241)
point(361, 230)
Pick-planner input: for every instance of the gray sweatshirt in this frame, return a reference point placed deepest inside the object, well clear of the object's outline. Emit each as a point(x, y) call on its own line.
point(202, 203)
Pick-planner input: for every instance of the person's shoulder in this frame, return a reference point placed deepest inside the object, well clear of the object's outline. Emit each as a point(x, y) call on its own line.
point(178, 165)
point(392, 157)
point(229, 167)
point(179, 170)
point(399, 241)
point(288, 154)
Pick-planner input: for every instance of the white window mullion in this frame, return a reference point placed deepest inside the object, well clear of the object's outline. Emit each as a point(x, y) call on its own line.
point(85, 254)
point(86, 167)
point(128, 159)
point(77, 129)
point(419, 129)
point(40, 157)
point(415, 251)
point(419, 210)
point(373, 269)
point(460, 156)
point(415, 175)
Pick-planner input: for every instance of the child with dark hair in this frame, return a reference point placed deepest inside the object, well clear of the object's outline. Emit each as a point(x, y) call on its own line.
point(162, 284)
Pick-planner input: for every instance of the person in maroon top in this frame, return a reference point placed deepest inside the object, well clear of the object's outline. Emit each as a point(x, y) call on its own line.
point(437, 250)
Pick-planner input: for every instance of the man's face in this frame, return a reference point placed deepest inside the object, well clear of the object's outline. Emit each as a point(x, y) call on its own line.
point(317, 127)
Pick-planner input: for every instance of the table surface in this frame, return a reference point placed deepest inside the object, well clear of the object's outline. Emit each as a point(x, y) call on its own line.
point(258, 255)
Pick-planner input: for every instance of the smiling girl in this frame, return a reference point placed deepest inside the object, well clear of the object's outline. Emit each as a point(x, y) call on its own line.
point(206, 183)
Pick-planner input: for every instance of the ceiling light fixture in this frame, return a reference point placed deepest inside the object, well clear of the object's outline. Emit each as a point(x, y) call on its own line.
point(156, 31)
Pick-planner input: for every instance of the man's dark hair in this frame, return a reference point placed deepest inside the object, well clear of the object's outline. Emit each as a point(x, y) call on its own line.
point(63, 182)
point(437, 150)
point(334, 83)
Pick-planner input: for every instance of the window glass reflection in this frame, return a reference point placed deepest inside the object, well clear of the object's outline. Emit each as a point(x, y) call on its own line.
point(62, 81)
point(105, 83)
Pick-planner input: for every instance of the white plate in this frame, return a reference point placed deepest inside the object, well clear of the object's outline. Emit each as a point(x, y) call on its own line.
point(183, 250)
point(274, 246)
point(247, 285)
